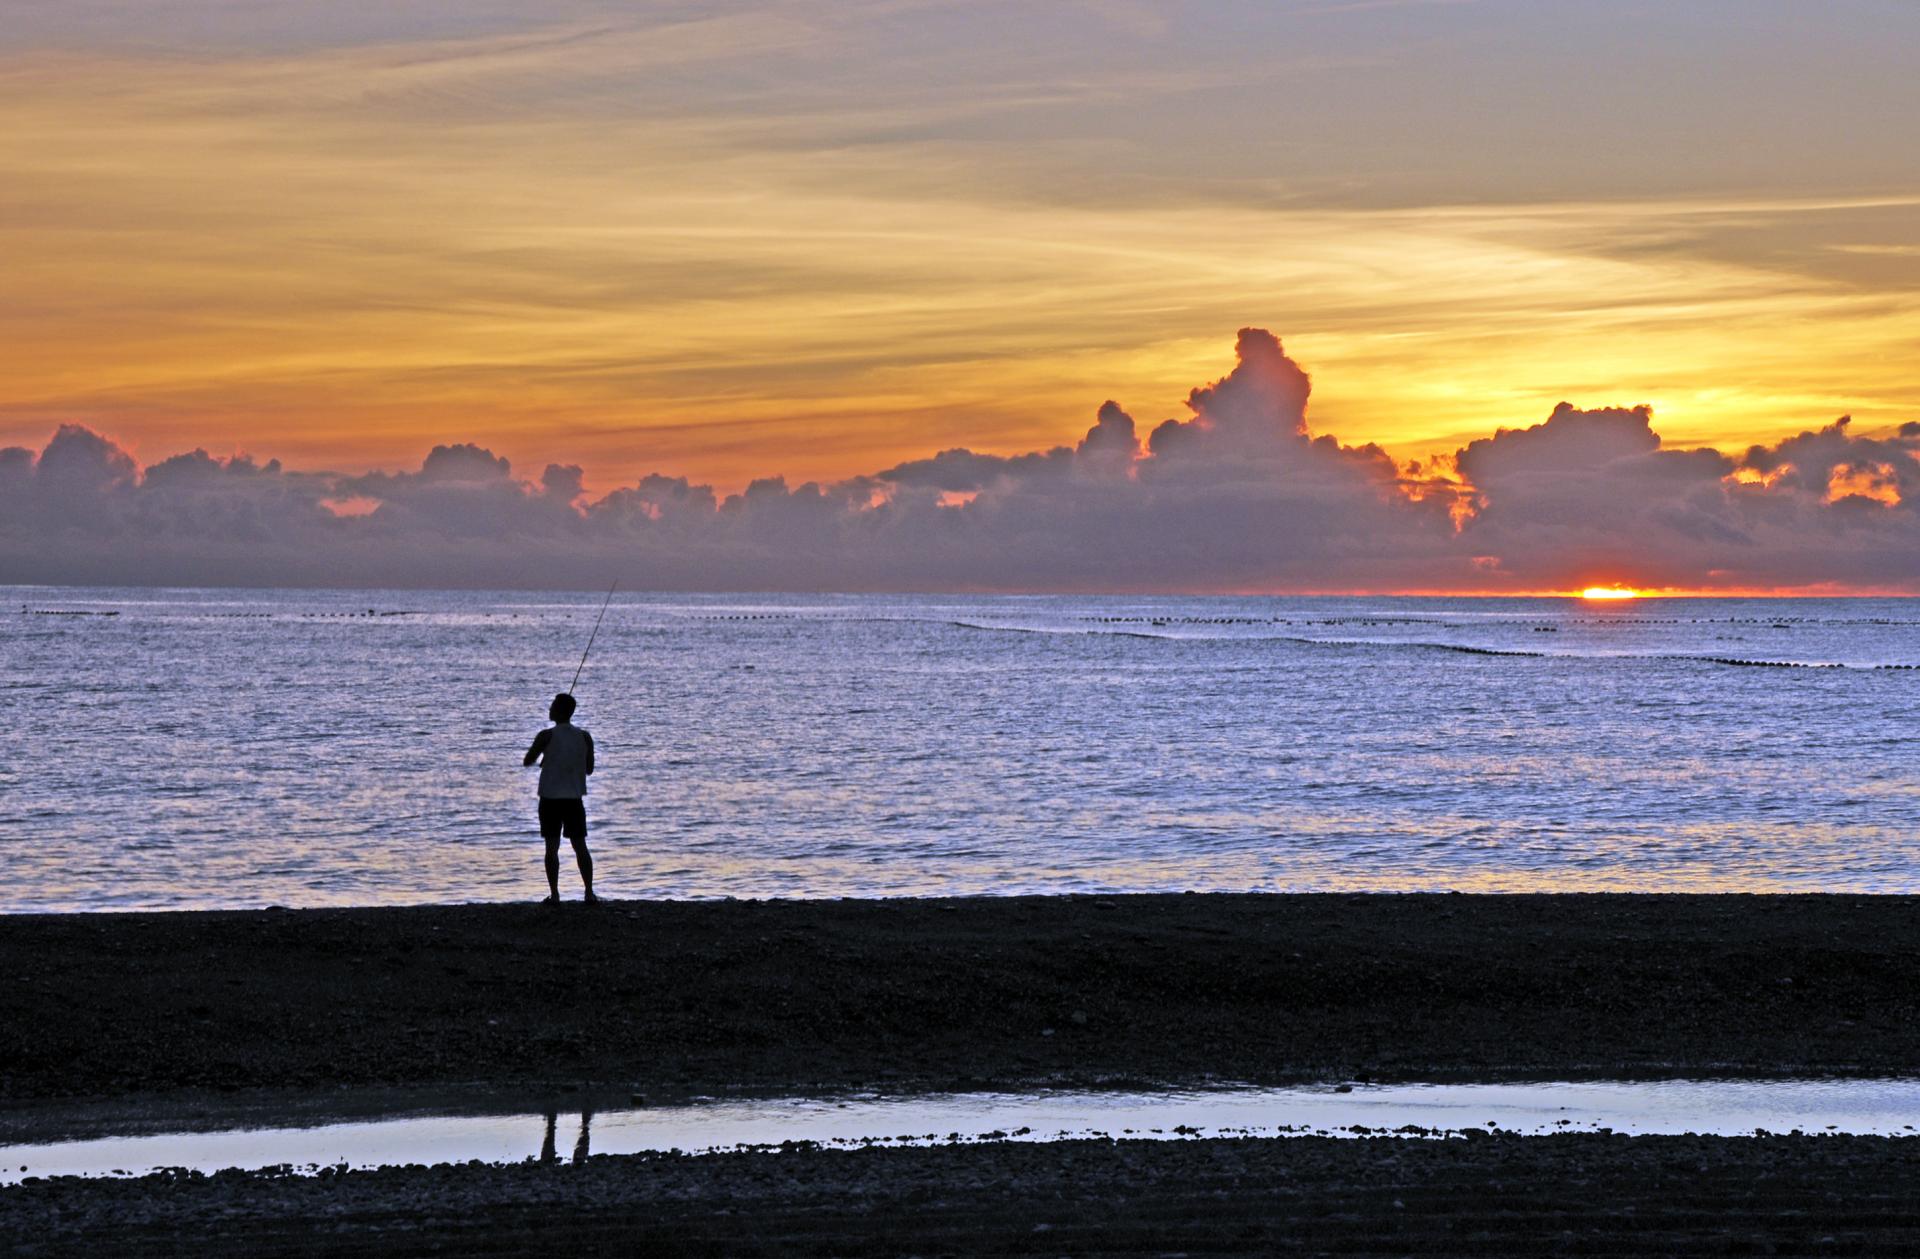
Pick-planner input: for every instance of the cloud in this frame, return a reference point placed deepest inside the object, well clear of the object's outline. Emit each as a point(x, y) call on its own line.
point(1594, 493)
point(1253, 410)
point(1238, 495)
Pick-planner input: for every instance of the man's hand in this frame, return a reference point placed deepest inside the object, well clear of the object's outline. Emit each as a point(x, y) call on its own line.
point(539, 745)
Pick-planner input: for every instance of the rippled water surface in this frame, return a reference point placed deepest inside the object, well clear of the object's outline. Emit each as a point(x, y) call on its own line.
point(221, 748)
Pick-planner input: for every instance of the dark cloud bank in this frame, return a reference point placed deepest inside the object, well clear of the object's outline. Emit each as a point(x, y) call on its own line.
point(1237, 497)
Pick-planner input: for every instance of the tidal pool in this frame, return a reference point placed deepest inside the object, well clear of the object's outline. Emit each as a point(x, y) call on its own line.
point(1889, 1107)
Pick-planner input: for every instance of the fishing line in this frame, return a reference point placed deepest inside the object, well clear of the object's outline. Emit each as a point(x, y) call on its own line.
point(591, 637)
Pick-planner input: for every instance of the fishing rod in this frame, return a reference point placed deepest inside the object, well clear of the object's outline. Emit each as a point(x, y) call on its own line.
point(592, 636)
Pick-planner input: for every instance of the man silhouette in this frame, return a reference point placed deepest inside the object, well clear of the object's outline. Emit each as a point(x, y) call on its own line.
point(565, 753)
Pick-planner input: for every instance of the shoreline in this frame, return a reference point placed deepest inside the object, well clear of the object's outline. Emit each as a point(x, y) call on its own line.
point(679, 998)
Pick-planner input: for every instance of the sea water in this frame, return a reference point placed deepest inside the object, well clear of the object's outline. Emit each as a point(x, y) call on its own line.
point(212, 748)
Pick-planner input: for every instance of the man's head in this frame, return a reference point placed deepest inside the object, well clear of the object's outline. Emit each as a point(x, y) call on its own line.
point(562, 707)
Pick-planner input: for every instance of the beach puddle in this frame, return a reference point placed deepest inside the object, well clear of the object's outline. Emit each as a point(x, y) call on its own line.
point(578, 1131)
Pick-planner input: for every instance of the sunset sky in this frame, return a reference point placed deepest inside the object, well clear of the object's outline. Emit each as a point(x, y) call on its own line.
point(731, 240)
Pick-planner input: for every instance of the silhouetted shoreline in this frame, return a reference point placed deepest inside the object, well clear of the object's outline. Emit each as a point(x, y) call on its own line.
point(677, 998)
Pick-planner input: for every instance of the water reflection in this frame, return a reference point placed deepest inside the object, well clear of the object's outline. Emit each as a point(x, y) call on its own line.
point(582, 1145)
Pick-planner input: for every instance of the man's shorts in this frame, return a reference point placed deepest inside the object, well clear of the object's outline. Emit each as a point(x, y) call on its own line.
point(558, 816)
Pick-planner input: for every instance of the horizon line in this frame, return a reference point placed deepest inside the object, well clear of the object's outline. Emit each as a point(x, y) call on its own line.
point(1638, 594)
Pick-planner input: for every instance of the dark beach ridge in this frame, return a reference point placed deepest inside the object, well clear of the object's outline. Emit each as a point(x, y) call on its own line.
point(678, 998)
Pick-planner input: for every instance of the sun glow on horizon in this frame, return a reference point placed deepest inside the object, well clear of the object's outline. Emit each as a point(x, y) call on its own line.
point(1611, 592)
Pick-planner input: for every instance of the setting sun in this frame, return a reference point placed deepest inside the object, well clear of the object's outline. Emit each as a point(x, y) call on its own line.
point(1609, 592)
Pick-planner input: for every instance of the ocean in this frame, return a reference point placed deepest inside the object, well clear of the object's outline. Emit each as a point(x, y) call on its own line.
point(194, 749)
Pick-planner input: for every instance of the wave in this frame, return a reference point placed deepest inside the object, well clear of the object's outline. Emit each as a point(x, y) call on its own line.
point(1468, 649)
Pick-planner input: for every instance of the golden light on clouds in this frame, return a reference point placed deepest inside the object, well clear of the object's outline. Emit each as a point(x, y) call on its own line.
point(727, 247)
point(1875, 482)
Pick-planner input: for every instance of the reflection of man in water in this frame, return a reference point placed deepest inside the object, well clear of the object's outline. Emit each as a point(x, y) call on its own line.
point(583, 1144)
point(565, 753)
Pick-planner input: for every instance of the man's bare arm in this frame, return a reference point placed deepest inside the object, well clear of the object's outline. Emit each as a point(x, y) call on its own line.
point(540, 742)
point(589, 739)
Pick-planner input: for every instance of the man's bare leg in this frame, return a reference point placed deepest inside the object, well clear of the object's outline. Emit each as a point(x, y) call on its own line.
point(553, 870)
point(585, 860)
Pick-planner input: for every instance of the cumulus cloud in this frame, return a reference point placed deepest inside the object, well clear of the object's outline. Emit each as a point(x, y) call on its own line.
point(1595, 493)
point(1238, 495)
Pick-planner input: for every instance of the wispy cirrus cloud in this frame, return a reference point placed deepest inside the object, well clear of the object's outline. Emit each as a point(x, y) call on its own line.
point(723, 237)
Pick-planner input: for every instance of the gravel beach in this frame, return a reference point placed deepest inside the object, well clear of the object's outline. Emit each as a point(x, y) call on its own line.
point(801, 996)
point(110, 1013)
point(1579, 1194)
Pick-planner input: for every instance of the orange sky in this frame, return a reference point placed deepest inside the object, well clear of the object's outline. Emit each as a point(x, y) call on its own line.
point(730, 240)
